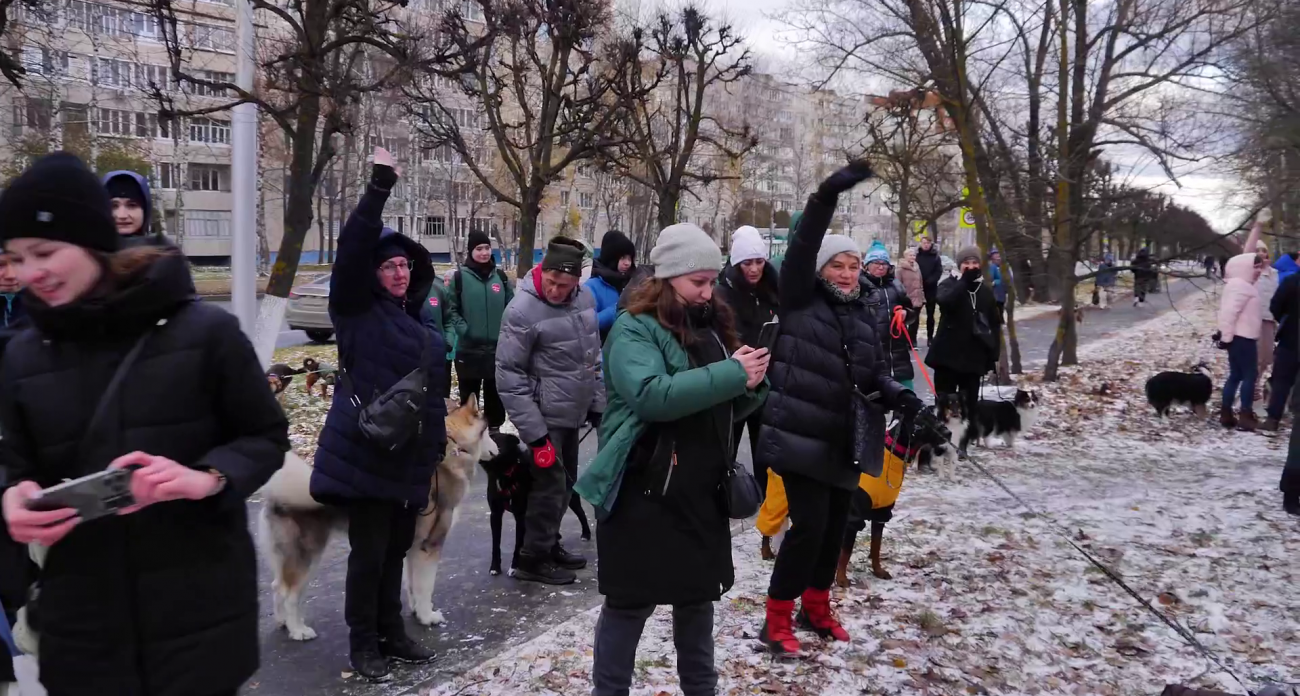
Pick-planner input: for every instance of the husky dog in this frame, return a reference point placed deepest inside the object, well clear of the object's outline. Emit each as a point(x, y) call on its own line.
point(1006, 419)
point(294, 528)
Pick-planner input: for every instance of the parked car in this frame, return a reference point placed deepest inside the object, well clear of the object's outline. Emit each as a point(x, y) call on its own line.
point(309, 309)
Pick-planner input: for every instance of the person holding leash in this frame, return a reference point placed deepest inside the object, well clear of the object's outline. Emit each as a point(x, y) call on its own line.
point(123, 368)
point(966, 347)
point(548, 371)
point(827, 366)
point(379, 305)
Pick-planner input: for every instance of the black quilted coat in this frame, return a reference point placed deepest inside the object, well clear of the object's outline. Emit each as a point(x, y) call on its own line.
point(807, 421)
point(163, 601)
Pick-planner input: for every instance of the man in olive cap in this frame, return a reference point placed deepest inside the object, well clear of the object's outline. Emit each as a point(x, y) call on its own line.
point(549, 374)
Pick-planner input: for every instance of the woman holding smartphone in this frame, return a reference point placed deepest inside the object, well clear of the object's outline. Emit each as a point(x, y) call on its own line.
point(123, 368)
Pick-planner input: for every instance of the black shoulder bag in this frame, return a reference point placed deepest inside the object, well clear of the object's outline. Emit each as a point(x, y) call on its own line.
point(392, 418)
point(739, 487)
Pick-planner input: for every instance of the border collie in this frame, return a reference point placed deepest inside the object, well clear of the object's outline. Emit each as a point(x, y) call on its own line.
point(1006, 419)
point(1192, 388)
point(949, 411)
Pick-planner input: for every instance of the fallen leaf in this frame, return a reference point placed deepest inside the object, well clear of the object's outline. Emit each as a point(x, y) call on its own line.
point(900, 663)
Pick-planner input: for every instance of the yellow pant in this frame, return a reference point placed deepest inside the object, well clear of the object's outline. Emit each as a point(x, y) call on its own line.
point(883, 490)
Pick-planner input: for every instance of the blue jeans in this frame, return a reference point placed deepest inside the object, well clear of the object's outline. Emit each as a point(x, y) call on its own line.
point(1243, 370)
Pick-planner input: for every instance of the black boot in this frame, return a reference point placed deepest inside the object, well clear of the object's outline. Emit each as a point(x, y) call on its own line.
point(402, 649)
point(566, 560)
point(543, 570)
point(370, 665)
point(1291, 503)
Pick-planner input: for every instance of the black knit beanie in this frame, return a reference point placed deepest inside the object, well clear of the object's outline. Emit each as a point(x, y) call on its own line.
point(477, 238)
point(564, 255)
point(59, 198)
point(614, 246)
point(123, 186)
point(387, 248)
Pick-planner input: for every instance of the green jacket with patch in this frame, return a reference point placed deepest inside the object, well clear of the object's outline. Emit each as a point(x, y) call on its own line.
point(649, 379)
point(437, 315)
point(475, 305)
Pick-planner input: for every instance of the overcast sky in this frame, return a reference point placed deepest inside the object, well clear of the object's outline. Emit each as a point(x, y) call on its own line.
point(1204, 187)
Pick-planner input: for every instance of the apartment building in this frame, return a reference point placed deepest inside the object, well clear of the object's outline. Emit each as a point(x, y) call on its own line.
point(92, 68)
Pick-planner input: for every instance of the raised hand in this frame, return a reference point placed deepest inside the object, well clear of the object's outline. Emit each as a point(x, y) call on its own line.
point(847, 177)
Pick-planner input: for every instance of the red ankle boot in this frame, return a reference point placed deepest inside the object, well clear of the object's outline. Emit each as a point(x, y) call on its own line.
point(778, 633)
point(815, 615)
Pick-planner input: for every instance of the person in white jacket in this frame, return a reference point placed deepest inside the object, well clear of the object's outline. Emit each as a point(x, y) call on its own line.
point(1267, 286)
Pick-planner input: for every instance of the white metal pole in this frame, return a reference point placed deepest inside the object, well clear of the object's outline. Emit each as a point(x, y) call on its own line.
point(243, 233)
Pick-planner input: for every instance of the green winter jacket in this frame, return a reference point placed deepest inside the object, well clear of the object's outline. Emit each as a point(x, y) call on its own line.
point(649, 379)
point(475, 305)
point(437, 315)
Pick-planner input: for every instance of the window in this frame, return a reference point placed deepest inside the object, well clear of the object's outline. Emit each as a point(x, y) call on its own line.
point(154, 76)
point(209, 177)
point(76, 120)
point(107, 72)
point(586, 199)
point(207, 130)
point(435, 226)
point(585, 170)
point(211, 76)
point(40, 60)
point(207, 223)
point(168, 175)
point(147, 125)
point(115, 122)
point(210, 38)
point(787, 134)
point(564, 198)
point(471, 10)
point(34, 114)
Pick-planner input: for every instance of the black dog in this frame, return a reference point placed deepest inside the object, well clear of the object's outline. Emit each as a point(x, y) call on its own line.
point(950, 411)
point(509, 482)
point(1006, 419)
point(1192, 388)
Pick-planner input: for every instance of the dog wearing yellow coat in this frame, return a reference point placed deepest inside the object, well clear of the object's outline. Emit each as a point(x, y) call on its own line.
point(872, 501)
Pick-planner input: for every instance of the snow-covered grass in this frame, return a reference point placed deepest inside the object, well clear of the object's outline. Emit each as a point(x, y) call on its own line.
point(986, 598)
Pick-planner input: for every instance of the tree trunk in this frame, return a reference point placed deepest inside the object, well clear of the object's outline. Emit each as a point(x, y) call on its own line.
point(298, 213)
point(528, 215)
point(668, 200)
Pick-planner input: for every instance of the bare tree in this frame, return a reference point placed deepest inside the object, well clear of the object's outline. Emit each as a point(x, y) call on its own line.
point(682, 60)
point(533, 78)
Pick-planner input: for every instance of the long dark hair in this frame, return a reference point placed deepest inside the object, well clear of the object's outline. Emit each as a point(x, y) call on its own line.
point(657, 298)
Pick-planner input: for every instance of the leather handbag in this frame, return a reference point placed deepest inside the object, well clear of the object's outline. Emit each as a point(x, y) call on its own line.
point(740, 489)
point(393, 418)
point(867, 426)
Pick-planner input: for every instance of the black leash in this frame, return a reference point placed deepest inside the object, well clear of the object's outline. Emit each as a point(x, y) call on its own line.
point(1182, 632)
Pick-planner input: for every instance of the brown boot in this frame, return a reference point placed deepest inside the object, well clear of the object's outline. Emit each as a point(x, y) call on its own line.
point(842, 569)
point(766, 550)
point(1247, 422)
point(1270, 425)
point(1226, 419)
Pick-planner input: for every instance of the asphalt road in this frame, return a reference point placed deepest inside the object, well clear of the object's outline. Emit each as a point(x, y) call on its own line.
point(485, 614)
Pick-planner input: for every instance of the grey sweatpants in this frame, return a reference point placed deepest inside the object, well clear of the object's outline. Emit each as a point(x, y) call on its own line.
point(549, 497)
point(618, 631)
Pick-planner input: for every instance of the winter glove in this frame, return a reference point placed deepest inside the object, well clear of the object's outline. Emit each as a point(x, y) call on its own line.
point(972, 277)
point(846, 178)
point(543, 453)
point(1217, 339)
point(909, 404)
point(593, 419)
point(383, 177)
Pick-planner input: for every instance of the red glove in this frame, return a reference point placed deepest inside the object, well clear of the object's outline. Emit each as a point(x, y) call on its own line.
point(544, 454)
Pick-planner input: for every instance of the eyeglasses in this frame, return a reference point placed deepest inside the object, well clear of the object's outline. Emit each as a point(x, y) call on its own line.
point(390, 268)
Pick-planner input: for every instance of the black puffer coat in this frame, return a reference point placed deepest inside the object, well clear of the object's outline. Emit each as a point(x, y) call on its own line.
point(957, 345)
point(381, 339)
point(807, 420)
point(884, 294)
point(754, 305)
point(163, 601)
point(931, 264)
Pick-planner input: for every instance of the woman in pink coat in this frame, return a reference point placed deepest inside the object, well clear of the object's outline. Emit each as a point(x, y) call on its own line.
point(1241, 317)
point(909, 274)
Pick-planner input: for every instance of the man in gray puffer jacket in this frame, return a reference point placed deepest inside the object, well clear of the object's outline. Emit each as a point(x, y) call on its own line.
point(549, 378)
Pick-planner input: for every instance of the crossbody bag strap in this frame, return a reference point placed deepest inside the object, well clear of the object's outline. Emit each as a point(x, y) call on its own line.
point(105, 400)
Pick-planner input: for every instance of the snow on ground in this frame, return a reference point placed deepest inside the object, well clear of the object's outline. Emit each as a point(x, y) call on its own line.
point(985, 598)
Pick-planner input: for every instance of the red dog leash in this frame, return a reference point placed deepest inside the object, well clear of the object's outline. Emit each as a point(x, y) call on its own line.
point(898, 329)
